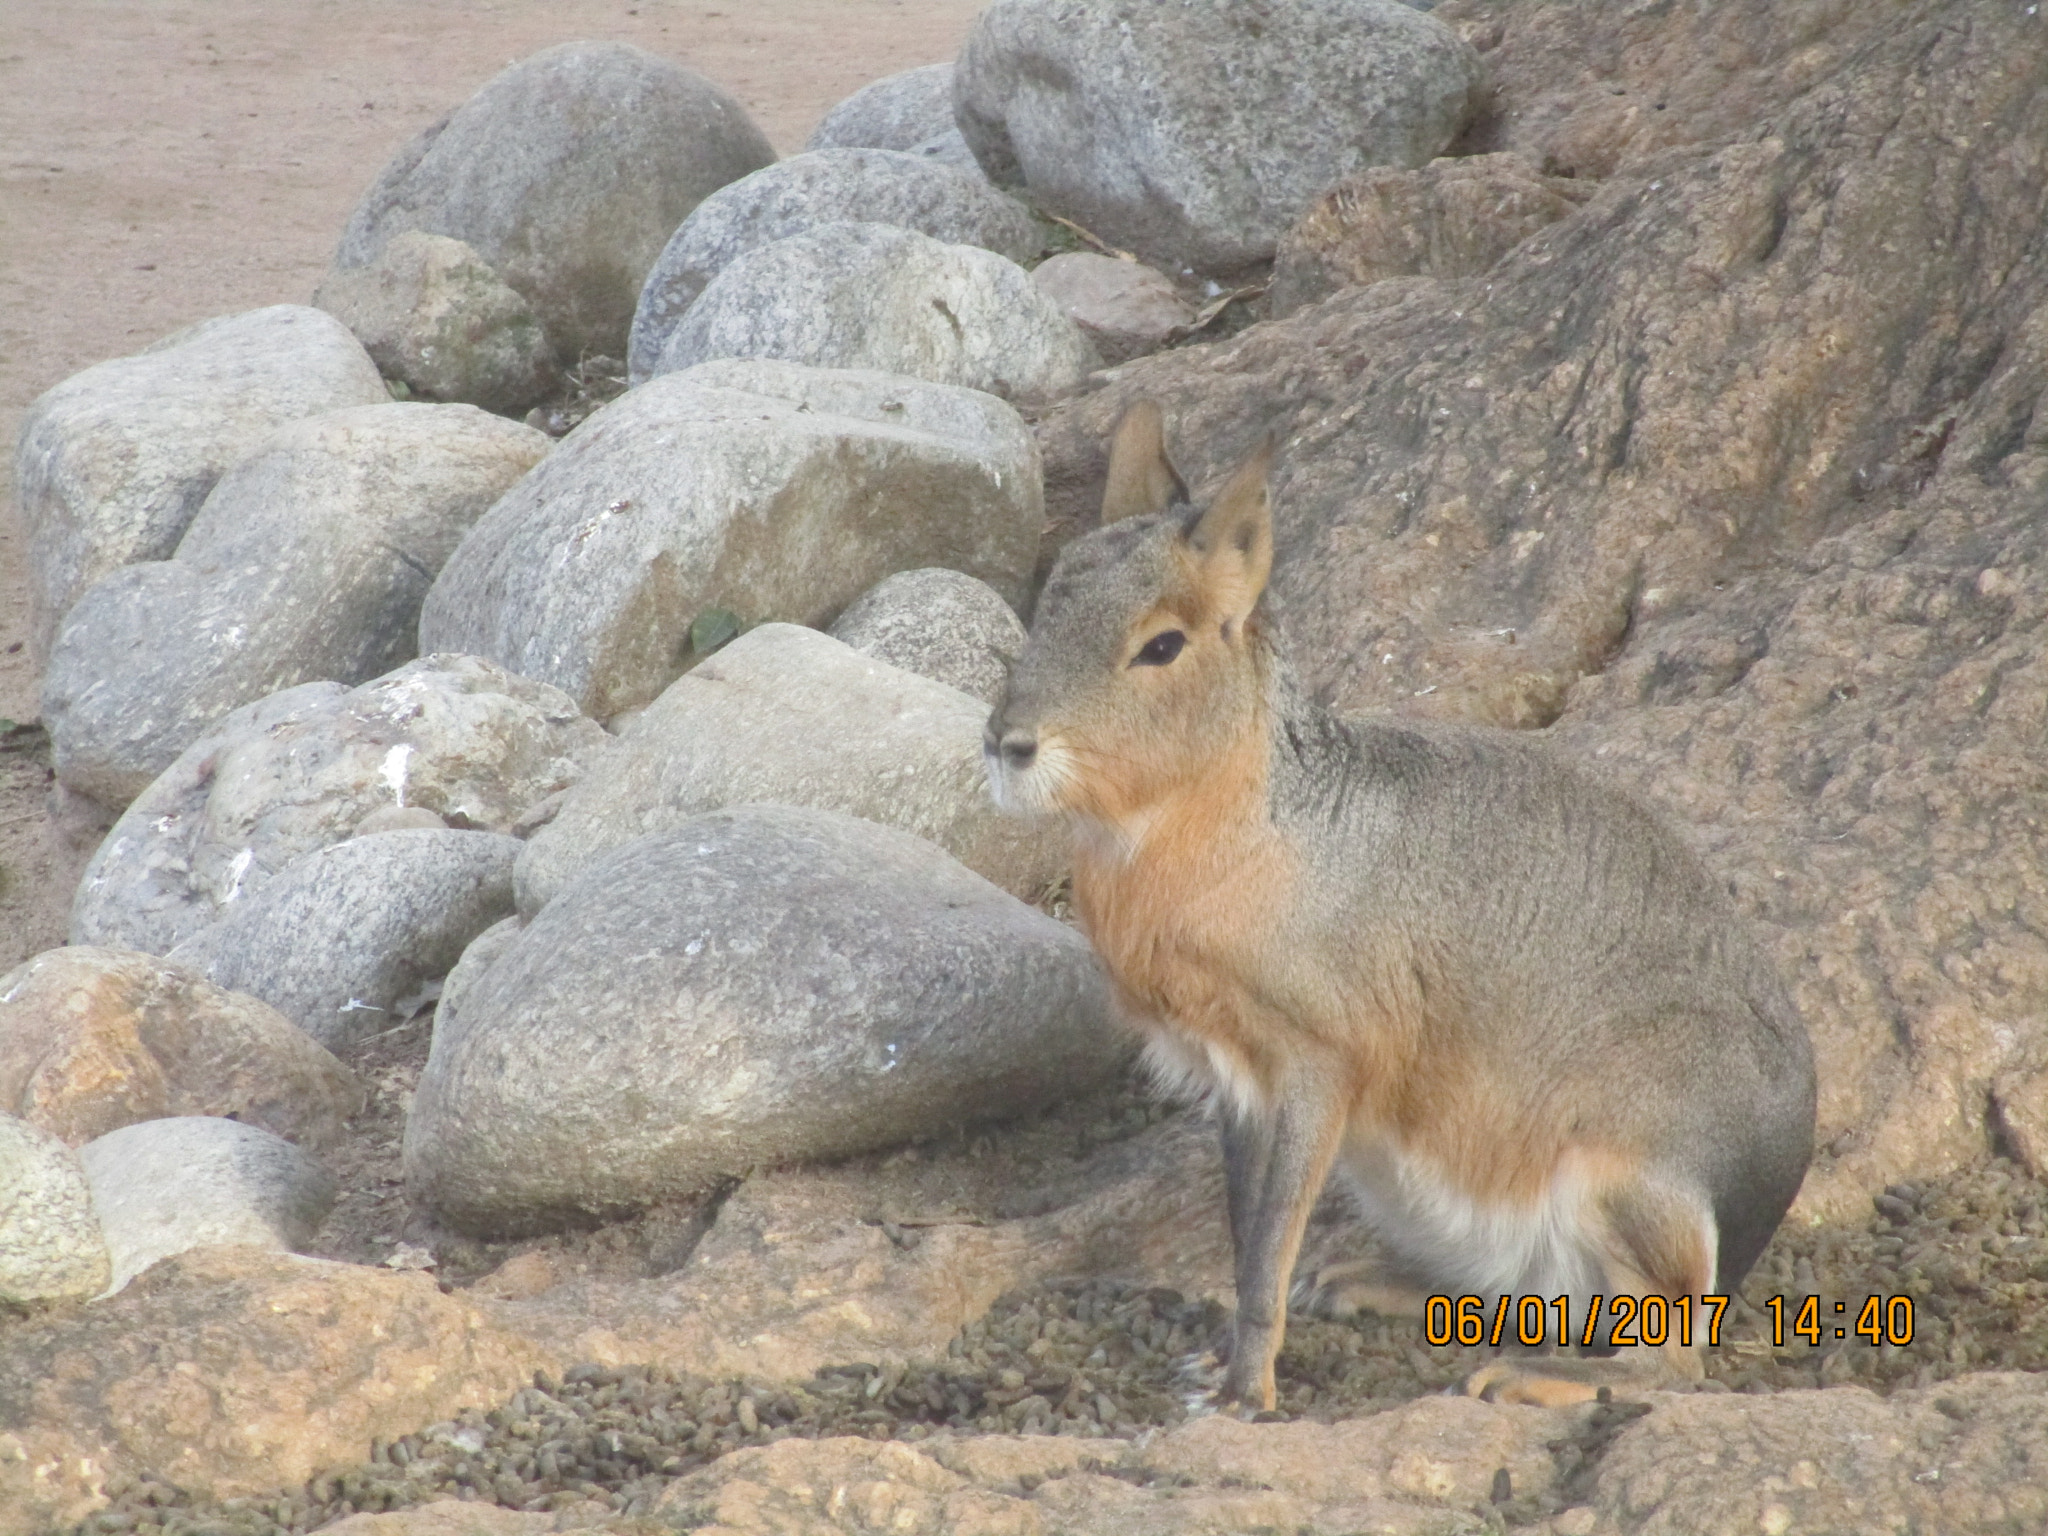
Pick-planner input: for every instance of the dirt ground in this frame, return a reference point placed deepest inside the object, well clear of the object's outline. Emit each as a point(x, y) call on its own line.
point(164, 162)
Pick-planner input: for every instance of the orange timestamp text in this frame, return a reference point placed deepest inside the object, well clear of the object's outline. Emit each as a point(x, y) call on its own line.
point(1616, 1322)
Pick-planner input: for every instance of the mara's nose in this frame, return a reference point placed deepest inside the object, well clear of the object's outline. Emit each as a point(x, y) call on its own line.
point(1017, 748)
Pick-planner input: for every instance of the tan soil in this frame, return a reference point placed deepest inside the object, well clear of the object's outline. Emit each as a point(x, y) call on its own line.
point(165, 162)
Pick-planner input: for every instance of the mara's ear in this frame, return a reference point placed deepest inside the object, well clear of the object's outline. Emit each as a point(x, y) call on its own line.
point(1233, 542)
point(1140, 477)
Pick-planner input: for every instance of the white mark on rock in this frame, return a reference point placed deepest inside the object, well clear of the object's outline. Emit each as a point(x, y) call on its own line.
point(235, 872)
point(394, 770)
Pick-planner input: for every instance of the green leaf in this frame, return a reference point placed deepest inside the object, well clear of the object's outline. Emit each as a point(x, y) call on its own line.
point(712, 628)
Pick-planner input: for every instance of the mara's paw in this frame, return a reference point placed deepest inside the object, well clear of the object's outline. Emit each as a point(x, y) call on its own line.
point(1340, 1292)
point(1529, 1386)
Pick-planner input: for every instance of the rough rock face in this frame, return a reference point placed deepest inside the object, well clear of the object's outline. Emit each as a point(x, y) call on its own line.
point(1414, 1470)
point(1841, 1460)
point(1592, 88)
point(853, 295)
point(566, 173)
point(307, 563)
point(1740, 470)
point(742, 490)
point(454, 737)
point(876, 186)
point(1857, 736)
point(2019, 1107)
point(1801, 1462)
point(432, 313)
point(1194, 135)
point(165, 1187)
point(348, 938)
point(114, 462)
point(51, 1246)
point(759, 985)
point(939, 624)
point(1125, 307)
point(234, 1371)
point(95, 1039)
point(1451, 218)
point(787, 716)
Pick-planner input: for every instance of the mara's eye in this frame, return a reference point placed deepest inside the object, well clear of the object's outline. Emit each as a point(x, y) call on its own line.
point(1160, 649)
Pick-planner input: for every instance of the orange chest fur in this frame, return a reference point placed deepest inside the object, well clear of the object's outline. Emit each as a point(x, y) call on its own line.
point(1188, 933)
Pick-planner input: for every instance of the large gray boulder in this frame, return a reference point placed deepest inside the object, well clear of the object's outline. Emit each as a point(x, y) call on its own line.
point(877, 186)
point(899, 111)
point(308, 561)
point(758, 489)
point(856, 295)
point(114, 462)
point(451, 738)
point(759, 985)
point(788, 716)
point(168, 1186)
point(349, 940)
point(432, 314)
point(939, 624)
point(1195, 134)
point(566, 173)
point(51, 1247)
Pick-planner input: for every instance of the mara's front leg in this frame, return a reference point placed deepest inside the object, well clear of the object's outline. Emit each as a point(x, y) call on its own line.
point(1276, 1159)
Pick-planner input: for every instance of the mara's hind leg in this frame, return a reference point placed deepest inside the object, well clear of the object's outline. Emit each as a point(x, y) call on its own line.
point(1346, 1289)
point(1649, 1242)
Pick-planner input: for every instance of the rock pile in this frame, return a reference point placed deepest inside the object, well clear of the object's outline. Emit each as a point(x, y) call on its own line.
point(877, 186)
point(114, 463)
point(565, 174)
point(307, 562)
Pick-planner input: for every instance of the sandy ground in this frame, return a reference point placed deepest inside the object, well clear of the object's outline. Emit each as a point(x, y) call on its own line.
point(163, 162)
